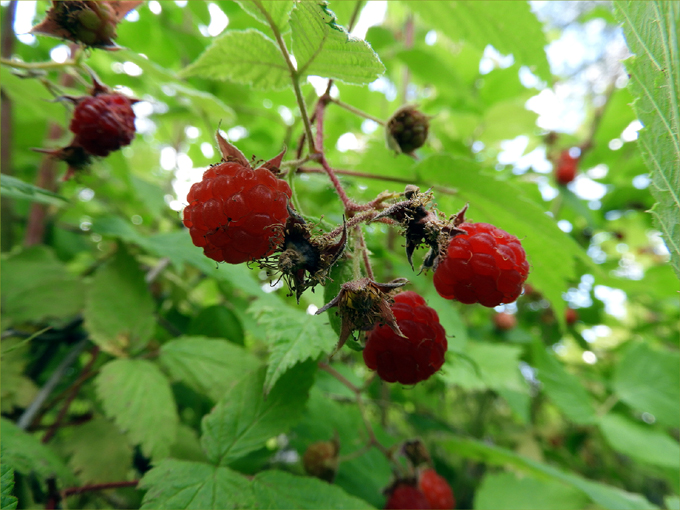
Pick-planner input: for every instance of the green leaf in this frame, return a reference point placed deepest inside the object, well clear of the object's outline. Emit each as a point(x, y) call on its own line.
point(508, 26)
point(136, 394)
point(244, 419)
point(564, 389)
point(278, 11)
point(178, 484)
point(641, 442)
point(217, 322)
point(506, 206)
point(99, 452)
point(601, 494)
point(11, 187)
point(7, 501)
point(277, 489)
point(26, 454)
point(649, 381)
point(36, 286)
point(17, 389)
point(210, 366)
point(242, 56)
point(651, 30)
point(119, 312)
point(294, 336)
point(323, 48)
point(498, 368)
point(505, 491)
point(201, 100)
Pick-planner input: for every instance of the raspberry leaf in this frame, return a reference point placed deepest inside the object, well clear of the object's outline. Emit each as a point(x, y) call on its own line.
point(242, 56)
point(264, 11)
point(8, 502)
point(293, 337)
point(480, 23)
point(11, 187)
point(137, 396)
point(651, 33)
point(563, 388)
point(277, 489)
point(37, 286)
point(323, 48)
point(210, 366)
point(119, 307)
point(183, 484)
point(245, 419)
point(99, 452)
point(25, 454)
point(658, 395)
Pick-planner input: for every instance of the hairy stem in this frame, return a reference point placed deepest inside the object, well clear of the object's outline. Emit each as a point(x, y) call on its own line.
point(294, 76)
point(70, 491)
point(361, 243)
point(358, 112)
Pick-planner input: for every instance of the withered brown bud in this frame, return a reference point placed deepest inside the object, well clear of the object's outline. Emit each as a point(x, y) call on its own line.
point(91, 23)
point(305, 260)
point(76, 158)
point(362, 304)
point(321, 459)
point(416, 452)
point(407, 129)
point(423, 225)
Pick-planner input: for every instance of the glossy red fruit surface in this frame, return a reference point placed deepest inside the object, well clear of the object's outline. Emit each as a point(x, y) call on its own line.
point(103, 123)
point(437, 490)
point(567, 166)
point(405, 496)
point(487, 266)
point(414, 358)
point(236, 213)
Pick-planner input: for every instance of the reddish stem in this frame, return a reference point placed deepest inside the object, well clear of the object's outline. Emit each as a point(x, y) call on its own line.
point(98, 487)
point(74, 391)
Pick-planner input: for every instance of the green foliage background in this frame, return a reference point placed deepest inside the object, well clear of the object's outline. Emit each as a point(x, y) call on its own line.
point(202, 382)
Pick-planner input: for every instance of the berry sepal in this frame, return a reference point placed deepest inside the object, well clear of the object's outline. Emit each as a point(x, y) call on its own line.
point(362, 304)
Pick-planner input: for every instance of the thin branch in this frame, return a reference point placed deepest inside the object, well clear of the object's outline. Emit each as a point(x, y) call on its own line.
point(355, 15)
point(84, 374)
point(294, 76)
point(361, 243)
point(98, 487)
point(35, 66)
point(372, 440)
point(27, 418)
point(358, 112)
point(352, 173)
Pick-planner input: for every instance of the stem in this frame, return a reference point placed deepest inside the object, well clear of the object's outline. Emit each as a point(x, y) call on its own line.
point(408, 43)
point(440, 189)
point(98, 487)
point(27, 418)
point(354, 16)
point(355, 454)
point(361, 243)
point(356, 111)
point(372, 440)
point(17, 64)
point(294, 76)
point(74, 391)
point(6, 132)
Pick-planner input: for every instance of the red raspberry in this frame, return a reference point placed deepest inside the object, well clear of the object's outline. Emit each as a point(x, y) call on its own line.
point(504, 321)
point(234, 212)
point(566, 168)
point(437, 491)
point(487, 266)
point(414, 358)
point(570, 315)
point(103, 123)
point(405, 496)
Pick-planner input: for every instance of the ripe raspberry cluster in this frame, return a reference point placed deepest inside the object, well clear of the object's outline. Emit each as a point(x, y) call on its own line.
point(405, 495)
point(487, 266)
point(236, 213)
point(103, 123)
point(415, 356)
